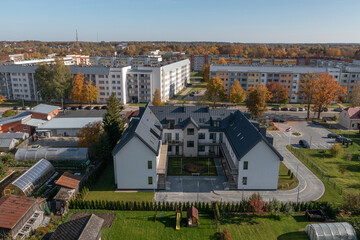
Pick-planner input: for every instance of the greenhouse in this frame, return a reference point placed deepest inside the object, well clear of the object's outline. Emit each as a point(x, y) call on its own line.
point(53, 154)
point(331, 231)
point(33, 178)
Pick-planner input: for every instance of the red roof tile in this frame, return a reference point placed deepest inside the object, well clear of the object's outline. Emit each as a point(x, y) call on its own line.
point(13, 208)
point(192, 212)
point(131, 114)
point(68, 180)
point(354, 113)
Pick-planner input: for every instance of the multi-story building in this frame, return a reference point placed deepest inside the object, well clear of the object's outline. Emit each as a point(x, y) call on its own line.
point(246, 152)
point(134, 62)
point(289, 77)
point(198, 61)
point(130, 84)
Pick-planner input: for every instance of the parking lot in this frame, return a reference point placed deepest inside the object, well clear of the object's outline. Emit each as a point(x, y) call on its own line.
point(315, 135)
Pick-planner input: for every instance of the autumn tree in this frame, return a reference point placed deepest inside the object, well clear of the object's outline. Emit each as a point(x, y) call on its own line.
point(279, 93)
point(222, 61)
point(215, 91)
point(237, 93)
point(327, 91)
point(257, 203)
point(205, 72)
point(354, 95)
point(307, 89)
point(157, 98)
point(77, 89)
point(2, 99)
point(113, 121)
point(89, 92)
point(257, 98)
point(90, 134)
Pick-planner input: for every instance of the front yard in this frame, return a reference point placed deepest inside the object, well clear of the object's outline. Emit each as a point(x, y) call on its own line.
point(186, 166)
point(285, 181)
point(105, 187)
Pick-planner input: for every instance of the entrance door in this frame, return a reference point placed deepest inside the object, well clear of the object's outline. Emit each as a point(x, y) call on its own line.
point(177, 150)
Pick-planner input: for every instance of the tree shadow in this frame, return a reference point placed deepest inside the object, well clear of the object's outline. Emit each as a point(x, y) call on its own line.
point(301, 218)
point(216, 236)
point(293, 235)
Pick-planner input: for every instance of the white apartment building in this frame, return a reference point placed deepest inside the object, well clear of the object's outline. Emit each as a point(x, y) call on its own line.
point(129, 84)
point(125, 61)
point(288, 76)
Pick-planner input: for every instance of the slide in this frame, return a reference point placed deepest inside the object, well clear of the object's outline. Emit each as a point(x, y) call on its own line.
point(178, 217)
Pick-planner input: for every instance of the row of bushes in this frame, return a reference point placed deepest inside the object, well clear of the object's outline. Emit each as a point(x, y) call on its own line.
point(243, 206)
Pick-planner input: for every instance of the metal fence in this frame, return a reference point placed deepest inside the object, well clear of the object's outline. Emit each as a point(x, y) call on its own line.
point(316, 169)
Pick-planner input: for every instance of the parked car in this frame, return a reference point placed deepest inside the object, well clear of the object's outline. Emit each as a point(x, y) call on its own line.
point(325, 109)
point(81, 107)
point(294, 109)
point(67, 108)
point(301, 109)
point(16, 108)
point(332, 135)
point(278, 120)
point(338, 109)
point(288, 129)
point(304, 144)
point(104, 107)
point(341, 139)
point(25, 108)
point(275, 109)
point(284, 109)
point(315, 122)
point(74, 108)
point(89, 108)
point(96, 108)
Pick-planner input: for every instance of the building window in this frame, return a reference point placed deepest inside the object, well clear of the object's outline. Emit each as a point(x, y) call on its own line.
point(149, 164)
point(244, 182)
point(169, 148)
point(25, 129)
point(213, 136)
point(246, 165)
point(167, 136)
point(201, 135)
point(11, 129)
point(201, 148)
point(150, 180)
point(177, 138)
point(190, 131)
point(190, 144)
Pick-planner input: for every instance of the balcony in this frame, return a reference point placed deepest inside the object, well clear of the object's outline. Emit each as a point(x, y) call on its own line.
point(174, 142)
point(208, 143)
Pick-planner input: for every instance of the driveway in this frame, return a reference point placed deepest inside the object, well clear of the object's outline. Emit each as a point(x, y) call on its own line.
point(310, 187)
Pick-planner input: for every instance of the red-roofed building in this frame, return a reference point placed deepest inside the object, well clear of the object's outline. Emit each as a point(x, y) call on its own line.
point(192, 216)
point(16, 212)
point(131, 114)
point(349, 118)
point(69, 180)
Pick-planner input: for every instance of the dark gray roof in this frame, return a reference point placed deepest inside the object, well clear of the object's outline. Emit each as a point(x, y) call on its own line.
point(143, 127)
point(16, 118)
point(18, 69)
point(16, 135)
point(5, 143)
point(86, 228)
point(90, 70)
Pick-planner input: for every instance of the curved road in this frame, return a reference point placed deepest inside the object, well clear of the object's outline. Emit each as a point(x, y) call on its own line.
point(310, 187)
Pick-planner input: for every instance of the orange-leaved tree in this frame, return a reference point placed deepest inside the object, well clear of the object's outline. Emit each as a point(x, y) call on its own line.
point(215, 91)
point(157, 98)
point(237, 93)
point(2, 99)
point(307, 89)
point(222, 61)
point(90, 92)
point(257, 98)
point(328, 90)
point(77, 89)
point(90, 134)
point(205, 72)
point(279, 93)
point(257, 204)
point(354, 95)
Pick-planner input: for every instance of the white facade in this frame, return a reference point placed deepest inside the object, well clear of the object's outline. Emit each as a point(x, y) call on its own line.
point(131, 166)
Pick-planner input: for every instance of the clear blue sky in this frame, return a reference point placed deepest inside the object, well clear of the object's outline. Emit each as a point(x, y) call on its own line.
point(261, 21)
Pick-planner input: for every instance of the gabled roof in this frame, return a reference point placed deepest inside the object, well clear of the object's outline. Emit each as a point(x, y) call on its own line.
point(44, 109)
point(16, 135)
point(6, 142)
point(86, 228)
point(13, 208)
point(145, 129)
point(354, 112)
point(131, 114)
point(192, 212)
point(69, 180)
point(19, 117)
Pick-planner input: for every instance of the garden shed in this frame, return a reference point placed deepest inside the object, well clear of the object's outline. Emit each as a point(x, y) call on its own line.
point(331, 231)
point(53, 154)
point(33, 178)
point(192, 216)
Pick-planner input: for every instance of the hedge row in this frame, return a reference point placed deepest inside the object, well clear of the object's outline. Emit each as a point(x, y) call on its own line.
point(242, 207)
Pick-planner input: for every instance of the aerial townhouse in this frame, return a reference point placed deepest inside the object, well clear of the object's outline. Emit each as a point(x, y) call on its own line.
point(252, 76)
point(130, 84)
point(158, 132)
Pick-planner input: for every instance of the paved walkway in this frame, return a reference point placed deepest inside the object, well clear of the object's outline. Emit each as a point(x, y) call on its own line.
point(310, 187)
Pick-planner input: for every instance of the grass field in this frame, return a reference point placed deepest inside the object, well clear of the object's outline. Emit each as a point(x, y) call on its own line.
point(105, 187)
point(141, 225)
point(253, 227)
point(174, 166)
point(285, 182)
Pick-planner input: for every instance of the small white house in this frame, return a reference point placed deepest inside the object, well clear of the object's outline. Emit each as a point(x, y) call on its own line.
point(141, 155)
point(349, 118)
point(6, 144)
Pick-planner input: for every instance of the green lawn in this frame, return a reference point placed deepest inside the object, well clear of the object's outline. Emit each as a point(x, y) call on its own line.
point(141, 225)
point(285, 182)
point(105, 187)
point(174, 166)
point(254, 227)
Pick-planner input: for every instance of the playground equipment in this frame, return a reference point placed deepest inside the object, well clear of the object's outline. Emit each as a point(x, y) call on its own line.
point(178, 219)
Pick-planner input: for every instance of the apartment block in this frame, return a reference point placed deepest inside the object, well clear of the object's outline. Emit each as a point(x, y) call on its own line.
point(130, 84)
point(289, 77)
point(125, 61)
